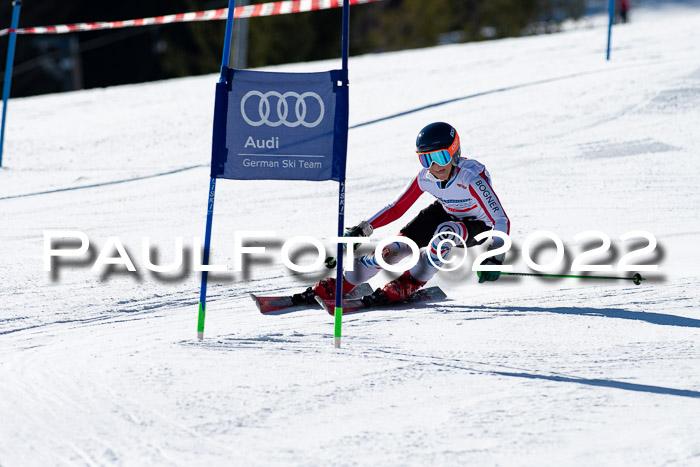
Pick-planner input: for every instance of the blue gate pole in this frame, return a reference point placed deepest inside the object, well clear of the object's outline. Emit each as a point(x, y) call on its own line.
point(16, 5)
point(212, 183)
point(205, 260)
point(611, 15)
point(341, 191)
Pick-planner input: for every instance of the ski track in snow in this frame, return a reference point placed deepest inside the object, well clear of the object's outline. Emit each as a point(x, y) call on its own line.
point(104, 369)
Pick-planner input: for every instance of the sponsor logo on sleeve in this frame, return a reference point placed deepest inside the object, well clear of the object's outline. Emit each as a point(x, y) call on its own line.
point(487, 195)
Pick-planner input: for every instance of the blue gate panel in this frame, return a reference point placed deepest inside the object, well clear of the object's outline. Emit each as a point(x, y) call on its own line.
point(280, 126)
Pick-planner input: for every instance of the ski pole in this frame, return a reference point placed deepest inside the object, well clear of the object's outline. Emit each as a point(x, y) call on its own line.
point(636, 278)
point(331, 261)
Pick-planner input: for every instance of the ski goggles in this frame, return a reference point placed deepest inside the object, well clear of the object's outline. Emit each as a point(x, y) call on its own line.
point(440, 156)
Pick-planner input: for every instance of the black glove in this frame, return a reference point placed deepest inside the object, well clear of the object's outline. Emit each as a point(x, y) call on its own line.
point(491, 275)
point(363, 229)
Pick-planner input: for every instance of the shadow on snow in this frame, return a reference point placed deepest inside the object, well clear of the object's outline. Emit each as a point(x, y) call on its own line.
point(95, 185)
point(461, 365)
point(475, 95)
point(653, 318)
point(606, 383)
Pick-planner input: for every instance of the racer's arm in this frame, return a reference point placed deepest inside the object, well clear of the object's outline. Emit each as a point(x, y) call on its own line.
point(481, 189)
point(398, 207)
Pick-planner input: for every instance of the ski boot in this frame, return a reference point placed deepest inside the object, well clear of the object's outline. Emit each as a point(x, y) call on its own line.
point(402, 287)
point(304, 298)
point(324, 289)
point(376, 298)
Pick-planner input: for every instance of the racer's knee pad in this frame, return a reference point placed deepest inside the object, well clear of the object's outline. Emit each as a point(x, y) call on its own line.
point(449, 234)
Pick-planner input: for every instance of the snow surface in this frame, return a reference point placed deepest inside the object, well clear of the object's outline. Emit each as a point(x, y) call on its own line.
point(104, 368)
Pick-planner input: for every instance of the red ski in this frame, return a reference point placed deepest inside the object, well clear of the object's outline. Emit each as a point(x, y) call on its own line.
point(268, 304)
point(351, 305)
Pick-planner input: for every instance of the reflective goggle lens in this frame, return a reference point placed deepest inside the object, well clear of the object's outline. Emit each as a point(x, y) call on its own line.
point(440, 157)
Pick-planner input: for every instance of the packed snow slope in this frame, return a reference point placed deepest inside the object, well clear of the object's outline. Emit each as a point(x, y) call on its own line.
point(103, 367)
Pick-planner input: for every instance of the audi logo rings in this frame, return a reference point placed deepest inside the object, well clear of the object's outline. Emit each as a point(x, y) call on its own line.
point(264, 109)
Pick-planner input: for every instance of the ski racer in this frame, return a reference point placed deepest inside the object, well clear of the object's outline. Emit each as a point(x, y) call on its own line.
point(466, 205)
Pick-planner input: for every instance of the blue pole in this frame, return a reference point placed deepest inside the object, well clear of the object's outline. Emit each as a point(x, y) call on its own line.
point(16, 5)
point(212, 183)
point(346, 37)
point(341, 189)
point(227, 39)
point(611, 14)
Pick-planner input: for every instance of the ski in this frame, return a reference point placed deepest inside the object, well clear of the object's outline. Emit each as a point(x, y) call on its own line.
point(352, 305)
point(268, 304)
